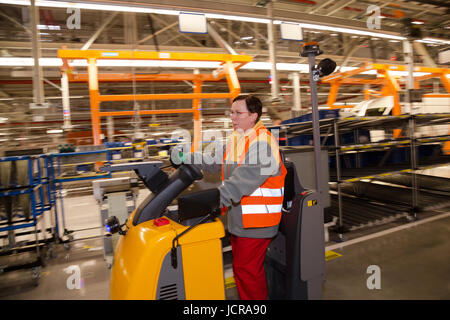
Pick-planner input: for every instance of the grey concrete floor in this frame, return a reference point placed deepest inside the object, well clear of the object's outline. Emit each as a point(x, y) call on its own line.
point(414, 264)
point(57, 278)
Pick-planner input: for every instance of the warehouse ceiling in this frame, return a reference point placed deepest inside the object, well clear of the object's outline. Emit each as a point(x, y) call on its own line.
point(159, 32)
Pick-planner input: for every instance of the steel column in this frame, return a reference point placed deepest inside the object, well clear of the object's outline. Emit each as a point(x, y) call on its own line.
point(38, 88)
point(414, 187)
point(95, 102)
point(272, 53)
point(65, 100)
point(297, 94)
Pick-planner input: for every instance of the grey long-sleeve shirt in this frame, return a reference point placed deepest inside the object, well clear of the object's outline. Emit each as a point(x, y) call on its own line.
point(242, 181)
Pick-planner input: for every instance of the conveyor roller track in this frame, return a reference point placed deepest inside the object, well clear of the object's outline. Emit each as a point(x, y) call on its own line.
point(398, 196)
point(360, 213)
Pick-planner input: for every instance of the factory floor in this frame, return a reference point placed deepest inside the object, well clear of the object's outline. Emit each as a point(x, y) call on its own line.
point(412, 262)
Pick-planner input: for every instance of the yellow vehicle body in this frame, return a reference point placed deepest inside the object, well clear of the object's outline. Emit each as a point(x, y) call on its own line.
point(139, 266)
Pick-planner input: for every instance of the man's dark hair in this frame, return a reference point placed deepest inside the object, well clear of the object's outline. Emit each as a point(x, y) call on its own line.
point(254, 105)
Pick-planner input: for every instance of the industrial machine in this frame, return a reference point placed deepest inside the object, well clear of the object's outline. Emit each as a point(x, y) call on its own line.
point(113, 196)
point(167, 253)
point(295, 259)
point(175, 252)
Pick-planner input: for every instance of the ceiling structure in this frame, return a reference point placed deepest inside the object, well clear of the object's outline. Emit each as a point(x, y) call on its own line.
point(159, 32)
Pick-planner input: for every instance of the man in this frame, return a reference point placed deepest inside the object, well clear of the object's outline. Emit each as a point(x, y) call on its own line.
point(251, 193)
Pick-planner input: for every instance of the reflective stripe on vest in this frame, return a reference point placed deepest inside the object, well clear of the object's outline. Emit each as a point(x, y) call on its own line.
point(267, 192)
point(263, 207)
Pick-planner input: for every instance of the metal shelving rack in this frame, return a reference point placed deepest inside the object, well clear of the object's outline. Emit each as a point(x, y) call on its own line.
point(41, 193)
point(408, 122)
point(333, 127)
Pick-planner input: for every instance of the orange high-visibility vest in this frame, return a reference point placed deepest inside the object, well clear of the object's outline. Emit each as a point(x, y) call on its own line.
point(263, 207)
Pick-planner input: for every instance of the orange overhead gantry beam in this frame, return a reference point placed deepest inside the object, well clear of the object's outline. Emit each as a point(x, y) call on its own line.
point(388, 82)
point(228, 67)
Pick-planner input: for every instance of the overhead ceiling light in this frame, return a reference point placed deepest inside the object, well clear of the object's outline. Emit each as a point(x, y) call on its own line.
point(17, 2)
point(236, 18)
point(350, 31)
point(301, 67)
point(434, 40)
point(57, 62)
point(393, 73)
point(53, 131)
point(255, 65)
point(29, 62)
point(91, 6)
point(137, 9)
point(48, 27)
point(129, 8)
point(157, 63)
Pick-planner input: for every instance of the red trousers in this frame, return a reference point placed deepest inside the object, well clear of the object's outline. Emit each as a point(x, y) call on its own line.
point(248, 267)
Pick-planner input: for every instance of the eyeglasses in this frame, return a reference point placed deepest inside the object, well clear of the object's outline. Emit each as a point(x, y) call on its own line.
point(238, 113)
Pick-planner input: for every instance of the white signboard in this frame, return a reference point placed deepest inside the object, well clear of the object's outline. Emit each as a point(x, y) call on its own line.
point(192, 22)
point(291, 31)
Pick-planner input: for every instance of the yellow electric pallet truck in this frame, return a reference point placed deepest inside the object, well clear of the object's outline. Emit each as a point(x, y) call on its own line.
point(168, 253)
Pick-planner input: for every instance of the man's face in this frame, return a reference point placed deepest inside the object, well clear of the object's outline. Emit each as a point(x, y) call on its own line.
point(241, 118)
